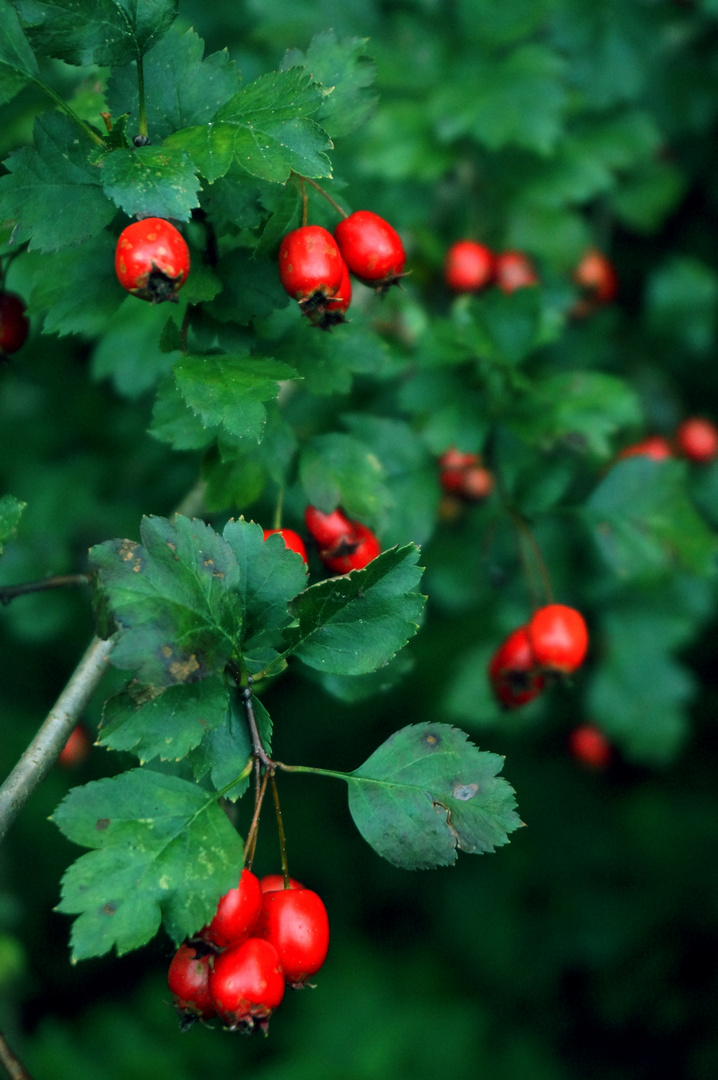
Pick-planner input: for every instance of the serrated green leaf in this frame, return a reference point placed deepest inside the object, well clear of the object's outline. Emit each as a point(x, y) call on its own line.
point(356, 623)
point(175, 423)
point(151, 181)
point(129, 350)
point(164, 852)
point(337, 468)
point(52, 190)
point(228, 392)
point(224, 753)
point(174, 599)
point(96, 31)
point(10, 513)
point(343, 68)
point(643, 522)
point(250, 288)
point(428, 793)
point(17, 60)
point(78, 293)
point(164, 722)
point(499, 326)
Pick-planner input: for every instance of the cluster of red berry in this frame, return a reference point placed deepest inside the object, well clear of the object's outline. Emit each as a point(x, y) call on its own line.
point(315, 267)
point(265, 935)
point(343, 544)
point(553, 642)
point(465, 476)
point(696, 438)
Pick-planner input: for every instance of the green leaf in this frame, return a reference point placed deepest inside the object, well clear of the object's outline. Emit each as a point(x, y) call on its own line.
point(17, 60)
point(78, 292)
point(10, 513)
point(681, 298)
point(581, 409)
point(227, 392)
point(151, 182)
point(337, 468)
point(643, 522)
point(52, 190)
point(501, 327)
point(174, 599)
point(175, 423)
point(181, 89)
point(427, 793)
point(164, 851)
point(129, 352)
point(224, 752)
point(250, 288)
point(343, 68)
point(164, 722)
point(354, 624)
point(96, 31)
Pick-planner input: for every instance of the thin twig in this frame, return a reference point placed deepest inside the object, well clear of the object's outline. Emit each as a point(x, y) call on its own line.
point(11, 1062)
point(43, 751)
point(57, 581)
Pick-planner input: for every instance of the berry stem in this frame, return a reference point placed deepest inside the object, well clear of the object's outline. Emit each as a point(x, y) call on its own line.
point(280, 830)
point(277, 524)
point(11, 1062)
point(97, 139)
point(142, 122)
point(327, 196)
point(251, 841)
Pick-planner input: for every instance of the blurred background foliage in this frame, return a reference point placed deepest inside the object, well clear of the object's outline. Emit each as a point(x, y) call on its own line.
point(588, 947)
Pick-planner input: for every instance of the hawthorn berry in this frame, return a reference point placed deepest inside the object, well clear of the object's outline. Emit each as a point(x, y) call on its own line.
point(371, 248)
point(272, 882)
point(655, 447)
point(597, 280)
point(465, 476)
point(236, 914)
point(188, 980)
point(292, 540)
point(328, 530)
point(513, 270)
point(558, 638)
point(337, 308)
point(354, 552)
point(468, 266)
point(311, 269)
point(76, 749)
point(697, 439)
point(590, 746)
point(152, 260)
point(14, 324)
point(246, 984)
point(514, 675)
point(295, 922)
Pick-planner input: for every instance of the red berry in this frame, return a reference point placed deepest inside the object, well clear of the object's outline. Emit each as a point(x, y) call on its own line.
point(328, 530)
point(513, 672)
point(697, 439)
point(371, 248)
point(513, 270)
point(188, 980)
point(76, 749)
point(468, 266)
point(292, 540)
point(310, 268)
point(246, 983)
point(354, 552)
point(590, 746)
point(558, 638)
point(237, 912)
point(152, 260)
point(465, 476)
point(655, 447)
point(14, 325)
point(295, 922)
point(272, 882)
point(337, 308)
point(597, 279)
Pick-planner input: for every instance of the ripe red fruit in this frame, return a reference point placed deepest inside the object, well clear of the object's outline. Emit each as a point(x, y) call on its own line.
point(655, 447)
point(468, 266)
point(236, 914)
point(246, 983)
point(328, 530)
point(513, 672)
point(371, 248)
point(337, 308)
point(697, 439)
point(292, 539)
point(76, 749)
point(464, 475)
point(295, 922)
point(310, 268)
point(597, 279)
point(152, 260)
point(188, 980)
point(354, 552)
point(590, 746)
point(513, 270)
point(14, 325)
point(272, 882)
point(558, 638)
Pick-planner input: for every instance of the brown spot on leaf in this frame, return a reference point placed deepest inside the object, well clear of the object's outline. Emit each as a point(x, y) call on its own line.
point(102, 823)
point(431, 740)
point(166, 651)
point(464, 792)
point(108, 909)
point(181, 670)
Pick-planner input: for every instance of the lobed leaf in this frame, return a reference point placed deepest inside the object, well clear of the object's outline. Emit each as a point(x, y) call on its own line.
point(428, 793)
point(151, 181)
point(343, 68)
point(17, 60)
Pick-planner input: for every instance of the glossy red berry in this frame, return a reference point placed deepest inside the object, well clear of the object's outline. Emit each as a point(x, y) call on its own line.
point(468, 266)
point(463, 475)
point(513, 270)
point(152, 260)
point(697, 439)
point(328, 530)
point(292, 540)
point(188, 980)
point(14, 325)
point(310, 268)
point(338, 307)
point(236, 914)
point(246, 983)
point(558, 637)
point(295, 922)
point(371, 248)
point(590, 746)
point(514, 675)
point(76, 749)
point(597, 280)
point(354, 552)
point(272, 882)
point(655, 447)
